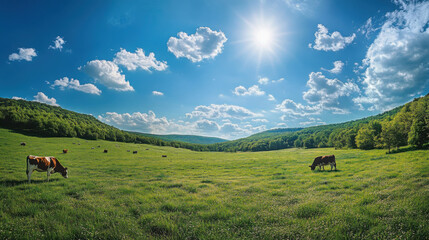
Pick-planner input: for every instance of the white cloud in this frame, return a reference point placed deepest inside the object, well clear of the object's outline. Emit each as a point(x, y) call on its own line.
point(265, 80)
point(41, 97)
point(204, 44)
point(108, 74)
point(18, 98)
point(207, 125)
point(324, 94)
point(260, 120)
point(222, 111)
point(132, 61)
point(368, 28)
point(145, 122)
point(252, 91)
point(58, 43)
point(312, 121)
point(327, 91)
point(232, 129)
point(397, 62)
point(305, 7)
point(65, 82)
point(26, 54)
point(283, 125)
point(338, 67)
point(293, 109)
point(156, 93)
point(333, 42)
point(271, 97)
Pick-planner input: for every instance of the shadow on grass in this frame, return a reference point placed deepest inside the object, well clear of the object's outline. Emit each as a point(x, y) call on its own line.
point(30, 132)
point(11, 183)
point(327, 171)
point(408, 149)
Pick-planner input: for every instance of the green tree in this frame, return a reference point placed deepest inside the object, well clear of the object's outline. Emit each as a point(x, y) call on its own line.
point(365, 138)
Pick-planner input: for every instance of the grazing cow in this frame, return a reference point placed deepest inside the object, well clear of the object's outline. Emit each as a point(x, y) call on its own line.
point(44, 164)
point(65, 150)
point(322, 161)
point(134, 152)
point(105, 150)
point(23, 144)
point(164, 155)
point(92, 148)
point(128, 150)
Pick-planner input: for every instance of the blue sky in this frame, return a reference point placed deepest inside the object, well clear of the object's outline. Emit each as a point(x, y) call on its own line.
point(216, 68)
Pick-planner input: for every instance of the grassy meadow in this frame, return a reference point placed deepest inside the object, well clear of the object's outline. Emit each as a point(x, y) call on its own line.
point(210, 195)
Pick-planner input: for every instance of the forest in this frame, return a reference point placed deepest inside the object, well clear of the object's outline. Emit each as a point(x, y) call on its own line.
point(402, 126)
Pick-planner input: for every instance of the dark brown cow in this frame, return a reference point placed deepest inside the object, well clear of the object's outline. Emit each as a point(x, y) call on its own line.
point(44, 164)
point(134, 152)
point(164, 155)
point(321, 161)
point(105, 150)
point(65, 150)
point(23, 144)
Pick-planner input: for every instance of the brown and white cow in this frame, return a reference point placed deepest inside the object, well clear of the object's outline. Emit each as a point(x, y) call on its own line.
point(321, 161)
point(44, 164)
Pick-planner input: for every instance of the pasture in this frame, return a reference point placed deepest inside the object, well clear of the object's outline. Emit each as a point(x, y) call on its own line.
point(209, 195)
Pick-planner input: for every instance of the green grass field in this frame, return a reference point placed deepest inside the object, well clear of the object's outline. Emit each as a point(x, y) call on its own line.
point(194, 195)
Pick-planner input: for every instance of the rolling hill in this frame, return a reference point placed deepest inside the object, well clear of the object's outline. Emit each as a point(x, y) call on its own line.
point(184, 138)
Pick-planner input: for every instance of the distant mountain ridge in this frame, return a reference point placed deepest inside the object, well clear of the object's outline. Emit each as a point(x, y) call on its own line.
point(185, 138)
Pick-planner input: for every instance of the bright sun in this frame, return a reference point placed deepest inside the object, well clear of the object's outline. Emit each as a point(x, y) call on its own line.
point(263, 37)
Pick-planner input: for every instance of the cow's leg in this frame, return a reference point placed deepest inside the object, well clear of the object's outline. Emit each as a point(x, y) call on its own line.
point(48, 173)
point(29, 172)
point(29, 176)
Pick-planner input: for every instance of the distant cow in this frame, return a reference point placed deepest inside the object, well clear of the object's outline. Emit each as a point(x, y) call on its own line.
point(128, 150)
point(65, 150)
point(44, 164)
point(105, 150)
point(134, 152)
point(23, 144)
point(322, 161)
point(164, 155)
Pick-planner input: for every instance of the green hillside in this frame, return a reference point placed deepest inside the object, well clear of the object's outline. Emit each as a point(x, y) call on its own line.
point(184, 138)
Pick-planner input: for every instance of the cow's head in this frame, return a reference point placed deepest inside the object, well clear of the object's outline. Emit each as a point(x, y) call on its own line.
point(312, 167)
point(65, 173)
